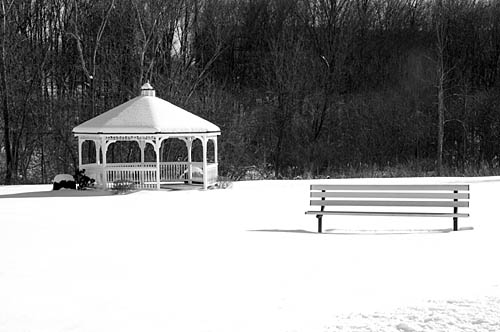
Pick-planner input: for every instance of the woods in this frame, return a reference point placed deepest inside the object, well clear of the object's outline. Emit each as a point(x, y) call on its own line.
point(298, 87)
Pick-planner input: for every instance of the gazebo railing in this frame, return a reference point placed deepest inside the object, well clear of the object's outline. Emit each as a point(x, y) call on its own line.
point(173, 171)
point(144, 174)
point(143, 177)
point(212, 175)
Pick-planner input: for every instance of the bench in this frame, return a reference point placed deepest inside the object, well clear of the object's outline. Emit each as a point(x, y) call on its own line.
point(390, 200)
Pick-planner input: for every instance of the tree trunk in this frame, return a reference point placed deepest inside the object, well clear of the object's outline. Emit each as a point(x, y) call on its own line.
point(440, 45)
point(441, 109)
point(5, 100)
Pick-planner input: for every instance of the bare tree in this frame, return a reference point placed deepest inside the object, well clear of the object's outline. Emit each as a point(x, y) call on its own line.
point(6, 6)
point(156, 21)
point(440, 29)
point(213, 31)
point(90, 73)
point(327, 23)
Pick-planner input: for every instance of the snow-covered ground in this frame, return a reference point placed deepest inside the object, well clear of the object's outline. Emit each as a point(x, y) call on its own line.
point(242, 259)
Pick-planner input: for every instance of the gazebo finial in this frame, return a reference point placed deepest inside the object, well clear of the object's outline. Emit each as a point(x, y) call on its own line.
point(147, 90)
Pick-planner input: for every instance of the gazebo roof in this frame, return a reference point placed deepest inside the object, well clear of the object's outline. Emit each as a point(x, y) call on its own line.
point(146, 114)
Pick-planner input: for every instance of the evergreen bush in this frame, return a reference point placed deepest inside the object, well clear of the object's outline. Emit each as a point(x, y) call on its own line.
point(82, 180)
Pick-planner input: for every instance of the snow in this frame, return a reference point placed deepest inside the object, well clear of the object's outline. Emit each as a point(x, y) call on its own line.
point(245, 258)
point(63, 177)
point(146, 115)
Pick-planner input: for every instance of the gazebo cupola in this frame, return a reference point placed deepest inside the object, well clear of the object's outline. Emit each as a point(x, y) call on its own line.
point(148, 119)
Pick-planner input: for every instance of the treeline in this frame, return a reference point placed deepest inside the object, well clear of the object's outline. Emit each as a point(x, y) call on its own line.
point(298, 87)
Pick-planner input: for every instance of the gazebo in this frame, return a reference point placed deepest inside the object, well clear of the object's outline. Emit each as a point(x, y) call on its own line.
point(148, 119)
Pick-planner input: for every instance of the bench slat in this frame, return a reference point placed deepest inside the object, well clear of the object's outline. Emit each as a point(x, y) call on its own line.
point(389, 203)
point(371, 194)
point(392, 187)
point(390, 214)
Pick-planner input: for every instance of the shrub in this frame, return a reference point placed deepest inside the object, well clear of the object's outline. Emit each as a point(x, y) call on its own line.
point(123, 186)
point(223, 183)
point(64, 185)
point(82, 180)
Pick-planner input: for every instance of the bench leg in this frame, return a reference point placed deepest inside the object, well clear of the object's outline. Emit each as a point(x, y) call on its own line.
point(320, 222)
point(455, 210)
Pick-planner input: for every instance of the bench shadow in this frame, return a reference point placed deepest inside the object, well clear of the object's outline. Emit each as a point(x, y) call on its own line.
point(59, 193)
point(282, 231)
point(338, 231)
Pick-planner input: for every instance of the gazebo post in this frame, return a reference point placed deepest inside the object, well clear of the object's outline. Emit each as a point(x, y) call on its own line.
point(104, 150)
point(189, 145)
point(142, 146)
point(215, 149)
point(97, 144)
point(205, 177)
point(216, 156)
point(157, 151)
point(80, 145)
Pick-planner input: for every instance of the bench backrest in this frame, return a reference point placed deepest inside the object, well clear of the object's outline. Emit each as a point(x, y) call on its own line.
point(429, 195)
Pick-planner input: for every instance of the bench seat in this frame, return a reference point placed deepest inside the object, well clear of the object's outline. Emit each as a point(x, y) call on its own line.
point(389, 214)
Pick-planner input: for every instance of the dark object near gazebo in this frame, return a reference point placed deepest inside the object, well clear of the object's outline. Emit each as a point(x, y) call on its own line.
point(63, 181)
point(83, 181)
